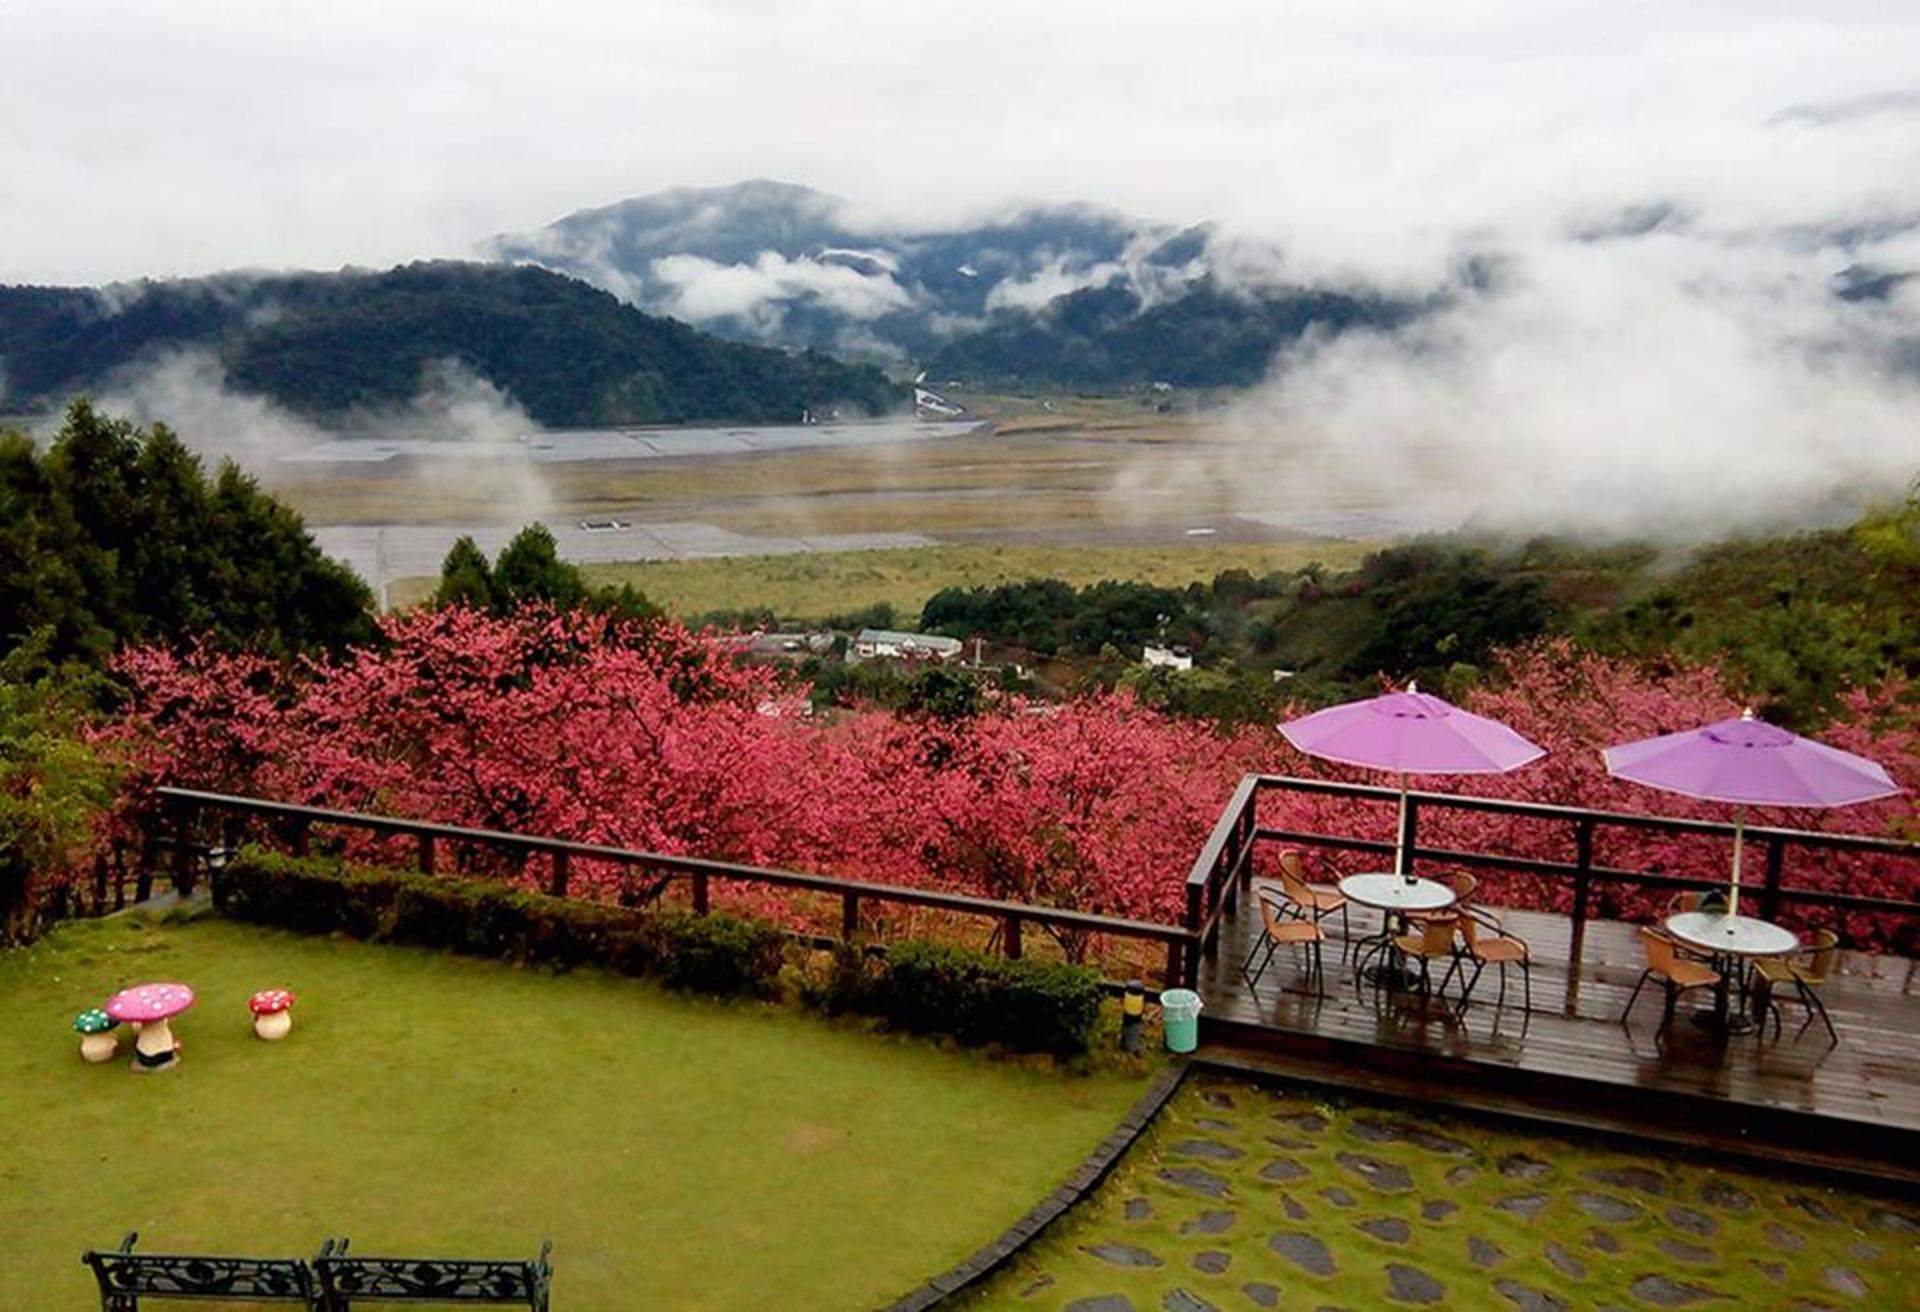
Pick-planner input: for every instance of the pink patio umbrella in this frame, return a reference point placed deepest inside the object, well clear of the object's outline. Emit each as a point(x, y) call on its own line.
point(1749, 762)
point(1410, 732)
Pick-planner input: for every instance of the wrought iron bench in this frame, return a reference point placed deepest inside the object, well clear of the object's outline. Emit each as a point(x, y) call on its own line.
point(345, 1281)
point(126, 1277)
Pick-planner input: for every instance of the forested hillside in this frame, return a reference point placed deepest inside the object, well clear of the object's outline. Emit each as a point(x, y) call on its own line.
point(327, 344)
point(1109, 337)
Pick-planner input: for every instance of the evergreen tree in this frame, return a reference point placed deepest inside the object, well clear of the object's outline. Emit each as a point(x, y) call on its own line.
point(530, 569)
point(465, 577)
point(116, 533)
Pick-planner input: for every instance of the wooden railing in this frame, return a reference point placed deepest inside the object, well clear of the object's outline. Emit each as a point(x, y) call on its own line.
point(188, 809)
point(1211, 882)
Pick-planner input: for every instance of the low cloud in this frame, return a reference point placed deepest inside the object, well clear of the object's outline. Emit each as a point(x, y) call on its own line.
point(474, 429)
point(701, 289)
point(1666, 387)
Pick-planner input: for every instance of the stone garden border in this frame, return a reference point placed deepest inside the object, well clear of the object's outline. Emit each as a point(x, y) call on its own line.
point(1086, 1177)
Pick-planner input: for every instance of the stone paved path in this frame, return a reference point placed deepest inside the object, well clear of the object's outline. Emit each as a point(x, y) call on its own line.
point(1248, 1197)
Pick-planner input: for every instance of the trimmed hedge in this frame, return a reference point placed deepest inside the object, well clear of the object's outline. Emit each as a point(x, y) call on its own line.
point(929, 988)
point(715, 953)
point(933, 988)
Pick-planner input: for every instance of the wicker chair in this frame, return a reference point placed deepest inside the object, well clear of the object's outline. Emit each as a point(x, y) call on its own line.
point(1430, 940)
point(1485, 942)
point(1775, 973)
point(1463, 886)
point(1283, 923)
point(1317, 901)
point(1676, 974)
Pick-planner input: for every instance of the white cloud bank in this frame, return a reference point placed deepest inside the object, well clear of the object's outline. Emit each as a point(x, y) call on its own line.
point(1667, 379)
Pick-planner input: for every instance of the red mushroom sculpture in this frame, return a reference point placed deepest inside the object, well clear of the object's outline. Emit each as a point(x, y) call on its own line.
point(148, 1007)
point(272, 1013)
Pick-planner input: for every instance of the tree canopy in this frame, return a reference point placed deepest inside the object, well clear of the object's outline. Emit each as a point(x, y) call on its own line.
point(115, 533)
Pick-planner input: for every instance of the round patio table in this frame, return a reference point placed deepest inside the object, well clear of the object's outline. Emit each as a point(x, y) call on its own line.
point(1732, 941)
point(1395, 896)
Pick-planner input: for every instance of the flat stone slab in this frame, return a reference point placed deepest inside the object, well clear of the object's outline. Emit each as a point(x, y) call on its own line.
point(1102, 1303)
point(1305, 1122)
point(1662, 1291)
point(1842, 1281)
point(1682, 1217)
point(1484, 1253)
point(1261, 1294)
point(1682, 1251)
point(1120, 1254)
point(1339, 1197)
point(1605, 1207)
point(1564, 1262)
point(1523, 1205)
point(1519, 1166)
point(1211, 1222)
point(1388, 1229)
point(1212, 1261)
point(1529, 1300)
point(1387, 1177)
point(1641, 1179)
point(1211, 1149)
point(1179, 1300)
point(1303, 1250)
point(1409, 1284)
point(1438, 1209)
point(1283, 1170)
point(1726, 1197)
point(1136, 1209)
point(1199, 1180)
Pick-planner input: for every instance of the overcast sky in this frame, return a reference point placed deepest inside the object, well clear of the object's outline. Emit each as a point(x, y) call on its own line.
point(148, 137)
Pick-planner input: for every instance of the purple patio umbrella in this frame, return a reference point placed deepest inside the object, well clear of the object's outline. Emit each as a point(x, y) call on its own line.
point(1410, 732)
point(1749, 762)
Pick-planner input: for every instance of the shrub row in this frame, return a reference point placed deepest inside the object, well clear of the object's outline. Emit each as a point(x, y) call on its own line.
point(934, 988)
point(928, 988)
point(712, 954)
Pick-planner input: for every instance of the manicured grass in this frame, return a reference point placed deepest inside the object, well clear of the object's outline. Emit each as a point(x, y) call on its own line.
point(835, 583)
point(1246, 1197)
point(681, 1153)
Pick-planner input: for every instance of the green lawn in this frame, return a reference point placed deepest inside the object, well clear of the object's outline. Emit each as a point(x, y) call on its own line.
point(813, 585)
point(681, 1153)
point(1247, 1197)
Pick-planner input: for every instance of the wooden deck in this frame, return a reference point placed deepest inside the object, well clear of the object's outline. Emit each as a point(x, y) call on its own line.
point(1852, 1107)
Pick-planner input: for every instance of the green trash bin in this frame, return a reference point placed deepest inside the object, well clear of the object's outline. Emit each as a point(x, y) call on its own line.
point(1180, 1010)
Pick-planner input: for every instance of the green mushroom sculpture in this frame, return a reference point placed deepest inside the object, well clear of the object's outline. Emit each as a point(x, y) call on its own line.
point(97, 1039)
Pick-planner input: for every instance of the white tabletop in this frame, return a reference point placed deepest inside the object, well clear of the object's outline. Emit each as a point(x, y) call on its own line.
point(1740, 936)
point(1389, 892)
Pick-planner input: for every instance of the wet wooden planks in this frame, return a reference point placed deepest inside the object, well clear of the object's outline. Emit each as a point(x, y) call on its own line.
point(1854, 1106)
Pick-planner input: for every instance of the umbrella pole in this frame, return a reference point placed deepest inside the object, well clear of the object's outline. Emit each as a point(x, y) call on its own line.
point(1739, 841)
point(1400, 832)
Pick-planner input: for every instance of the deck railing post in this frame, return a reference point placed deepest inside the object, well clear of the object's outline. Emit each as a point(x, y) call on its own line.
point(425, 859)
point(1582, 887)
point(1770, 891)
point(849, 916)
point(182, 849)
point(143, 877)
point(300, 837)
point(1011, 939)
point(700, 894)
point(562, 868)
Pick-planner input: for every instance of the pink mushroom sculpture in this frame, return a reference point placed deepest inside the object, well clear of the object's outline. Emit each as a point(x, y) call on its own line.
point(148, 1007)
point(272, 1013)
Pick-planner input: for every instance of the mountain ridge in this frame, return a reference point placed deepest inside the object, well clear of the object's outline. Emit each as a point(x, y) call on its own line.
point(325, 344)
